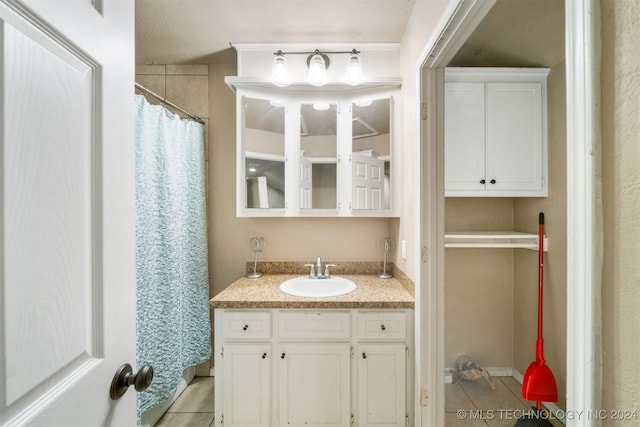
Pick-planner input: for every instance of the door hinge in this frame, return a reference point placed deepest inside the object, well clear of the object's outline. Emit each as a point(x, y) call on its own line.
point(424, 397)
point(352, 353)
point(424, 254)
point(424, 111)
point(221, 419)
point(406, 349)
point(406, 420)
point(353, 420)
point(222, 352)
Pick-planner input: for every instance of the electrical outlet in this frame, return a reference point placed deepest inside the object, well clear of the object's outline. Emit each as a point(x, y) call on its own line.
point(403, 249)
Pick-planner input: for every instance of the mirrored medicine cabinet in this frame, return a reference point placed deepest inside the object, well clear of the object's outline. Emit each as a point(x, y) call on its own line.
point(312, 154)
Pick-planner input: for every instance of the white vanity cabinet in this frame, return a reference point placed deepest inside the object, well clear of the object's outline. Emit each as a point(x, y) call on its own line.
point(326, 367)
point(496, 132)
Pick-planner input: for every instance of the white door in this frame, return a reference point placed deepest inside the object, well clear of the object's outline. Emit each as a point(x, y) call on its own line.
point(367, 181)
point(306, 184)
point(67, 211)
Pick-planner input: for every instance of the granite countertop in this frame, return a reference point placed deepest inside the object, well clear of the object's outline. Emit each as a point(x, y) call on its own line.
point(371, 292)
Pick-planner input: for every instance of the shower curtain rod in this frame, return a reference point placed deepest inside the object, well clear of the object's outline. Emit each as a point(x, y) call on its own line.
point(169, 103)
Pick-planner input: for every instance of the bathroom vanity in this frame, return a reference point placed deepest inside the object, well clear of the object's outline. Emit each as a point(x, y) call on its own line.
point(339, 361)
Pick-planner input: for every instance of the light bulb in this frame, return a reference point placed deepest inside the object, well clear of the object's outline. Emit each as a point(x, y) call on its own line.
point(317, 71)
point(280, 71)
point(354, 69)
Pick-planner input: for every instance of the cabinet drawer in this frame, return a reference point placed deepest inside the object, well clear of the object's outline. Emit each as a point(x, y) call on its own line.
point(382, 325)
point(247, 324)
point(315, 324)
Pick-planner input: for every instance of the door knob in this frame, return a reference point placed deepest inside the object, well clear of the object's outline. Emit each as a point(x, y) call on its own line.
point(124, 377)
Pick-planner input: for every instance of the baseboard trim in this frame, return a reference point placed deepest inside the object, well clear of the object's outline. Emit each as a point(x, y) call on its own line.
point(495, 372)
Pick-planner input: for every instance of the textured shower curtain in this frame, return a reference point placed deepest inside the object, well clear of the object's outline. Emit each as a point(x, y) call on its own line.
point(173, 324)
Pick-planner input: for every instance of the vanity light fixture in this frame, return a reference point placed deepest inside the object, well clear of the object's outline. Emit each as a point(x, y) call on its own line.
point(317, 62)
point(280, 71)
point(354, 69)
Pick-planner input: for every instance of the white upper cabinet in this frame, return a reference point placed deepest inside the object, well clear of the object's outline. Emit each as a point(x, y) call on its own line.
point(305, 150)
point(495, 132)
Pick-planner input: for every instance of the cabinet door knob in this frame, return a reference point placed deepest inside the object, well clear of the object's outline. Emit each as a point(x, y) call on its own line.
point(493, 181)
point(245, 327)
point(482, 181)
point(382, 327)
point(282, 356)
point(264, 355)
point(364, 355)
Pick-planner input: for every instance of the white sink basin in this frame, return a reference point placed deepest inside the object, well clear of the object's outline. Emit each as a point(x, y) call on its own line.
point(317, 288)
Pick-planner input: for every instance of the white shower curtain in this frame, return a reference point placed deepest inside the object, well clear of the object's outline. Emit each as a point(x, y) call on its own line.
point(173, 323)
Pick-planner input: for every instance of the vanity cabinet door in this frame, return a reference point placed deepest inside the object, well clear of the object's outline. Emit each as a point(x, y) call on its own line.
point(381, 384)
point(247, 384)
point(314, 384)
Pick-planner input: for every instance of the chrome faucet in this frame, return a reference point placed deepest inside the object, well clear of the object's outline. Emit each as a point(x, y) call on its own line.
point(317, 273)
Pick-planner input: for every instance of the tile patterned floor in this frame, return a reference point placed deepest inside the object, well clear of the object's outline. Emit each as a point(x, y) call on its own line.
point(467, 404)
point(474, 404)
point(194, 407)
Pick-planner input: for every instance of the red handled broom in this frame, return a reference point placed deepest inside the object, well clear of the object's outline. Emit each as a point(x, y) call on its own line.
point(538, 384)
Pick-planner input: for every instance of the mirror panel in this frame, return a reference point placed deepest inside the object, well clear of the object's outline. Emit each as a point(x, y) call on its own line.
point(318, 156)
point(371, 154)
point(264, 145)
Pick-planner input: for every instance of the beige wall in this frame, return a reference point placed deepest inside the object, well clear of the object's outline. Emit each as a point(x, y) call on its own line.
point(479, 285)
point(620, 109)
point(423, 20)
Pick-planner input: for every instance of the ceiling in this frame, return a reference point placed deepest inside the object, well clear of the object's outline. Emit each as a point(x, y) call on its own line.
point(520, 33)
point(200, 31)
point(516, 33)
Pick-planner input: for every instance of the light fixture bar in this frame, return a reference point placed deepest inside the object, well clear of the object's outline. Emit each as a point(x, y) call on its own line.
point(317, 51)
point(317, 63)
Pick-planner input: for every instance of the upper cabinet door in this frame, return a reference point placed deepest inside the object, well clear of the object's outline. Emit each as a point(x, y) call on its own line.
point(514, 137)
point(371, 155)
point(464, 150)
point(318, 157)
point(262, 146)
point(495, 132)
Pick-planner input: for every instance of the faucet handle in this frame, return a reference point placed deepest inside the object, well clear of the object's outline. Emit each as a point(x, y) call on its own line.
point(311, 273)
point(326, 270)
